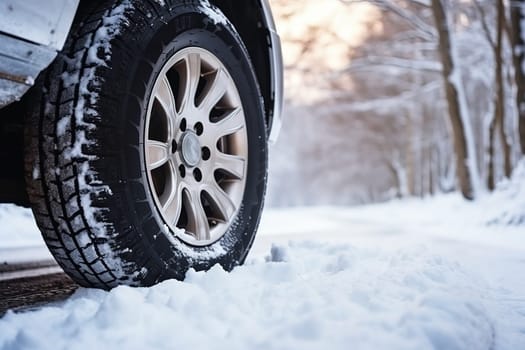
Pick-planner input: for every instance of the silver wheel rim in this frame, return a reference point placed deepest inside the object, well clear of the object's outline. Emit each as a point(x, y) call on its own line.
point(196, 146)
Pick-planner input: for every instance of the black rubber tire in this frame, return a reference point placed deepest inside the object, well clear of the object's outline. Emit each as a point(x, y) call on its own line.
point(84, 162)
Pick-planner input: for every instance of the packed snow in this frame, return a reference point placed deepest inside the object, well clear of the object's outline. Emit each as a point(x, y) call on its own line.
point(408, 274)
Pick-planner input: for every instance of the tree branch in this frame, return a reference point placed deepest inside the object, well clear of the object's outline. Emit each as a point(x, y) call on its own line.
point(402, 63)
point(428, 32)
point(484, 24)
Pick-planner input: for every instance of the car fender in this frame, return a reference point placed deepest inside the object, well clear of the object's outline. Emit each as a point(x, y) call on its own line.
point(31, 34)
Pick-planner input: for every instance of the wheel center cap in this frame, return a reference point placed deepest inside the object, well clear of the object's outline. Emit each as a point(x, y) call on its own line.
point(191, 149)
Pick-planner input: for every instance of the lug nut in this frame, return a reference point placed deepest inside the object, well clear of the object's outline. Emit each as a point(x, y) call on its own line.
point(197, 174)
point(199, 128)
point(206, 154)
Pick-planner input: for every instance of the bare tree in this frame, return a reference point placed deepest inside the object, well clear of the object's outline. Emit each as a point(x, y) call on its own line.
point(466, 164)
point(497, 123)
point(517, 11)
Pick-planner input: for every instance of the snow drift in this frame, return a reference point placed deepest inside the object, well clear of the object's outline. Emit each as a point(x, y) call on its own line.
point(305, 295)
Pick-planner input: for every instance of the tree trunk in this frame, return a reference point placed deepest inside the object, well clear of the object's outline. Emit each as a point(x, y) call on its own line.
point(400, 175)
point(409, 151)
point(498, 121)
point(467, 171)
point(506, 143)
point(517, 16)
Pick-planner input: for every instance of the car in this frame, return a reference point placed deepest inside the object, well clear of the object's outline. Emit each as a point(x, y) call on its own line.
point(138, 131)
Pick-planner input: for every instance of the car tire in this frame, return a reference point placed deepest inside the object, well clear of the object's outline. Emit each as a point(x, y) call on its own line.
point(146, 147)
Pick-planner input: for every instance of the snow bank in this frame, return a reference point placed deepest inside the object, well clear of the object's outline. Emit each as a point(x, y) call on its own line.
point(18, 228)
point(509, 199)
point(408, 274)
point(323, 296)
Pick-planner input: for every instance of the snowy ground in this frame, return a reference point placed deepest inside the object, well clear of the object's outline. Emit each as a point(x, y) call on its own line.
point(402, 275)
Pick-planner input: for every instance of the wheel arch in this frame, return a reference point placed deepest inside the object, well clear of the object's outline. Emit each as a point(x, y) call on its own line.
point(253, 21)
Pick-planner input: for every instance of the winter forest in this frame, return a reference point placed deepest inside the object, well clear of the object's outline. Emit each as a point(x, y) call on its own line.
point(395, 98)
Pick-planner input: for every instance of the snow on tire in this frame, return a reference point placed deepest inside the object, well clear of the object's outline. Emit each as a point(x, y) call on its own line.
point(146, 148)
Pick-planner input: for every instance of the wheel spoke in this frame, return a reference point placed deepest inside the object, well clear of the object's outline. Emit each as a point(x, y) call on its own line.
point(165, 96)
point(197, 216)
point(222, 201)
point(192, 75)
point(172, 206)
point(157, 154)
point(234, 165)
point(231, 123)
point(215, 91)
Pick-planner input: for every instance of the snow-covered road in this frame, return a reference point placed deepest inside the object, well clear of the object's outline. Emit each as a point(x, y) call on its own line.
point(402, 275)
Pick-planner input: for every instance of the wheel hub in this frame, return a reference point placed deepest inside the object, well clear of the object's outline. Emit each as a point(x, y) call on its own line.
point(190, 149)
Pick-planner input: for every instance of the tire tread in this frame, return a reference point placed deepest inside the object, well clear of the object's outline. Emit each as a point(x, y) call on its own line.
point(56, 199)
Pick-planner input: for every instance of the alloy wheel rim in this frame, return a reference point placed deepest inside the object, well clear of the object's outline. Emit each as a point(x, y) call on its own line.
point(196, 146)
